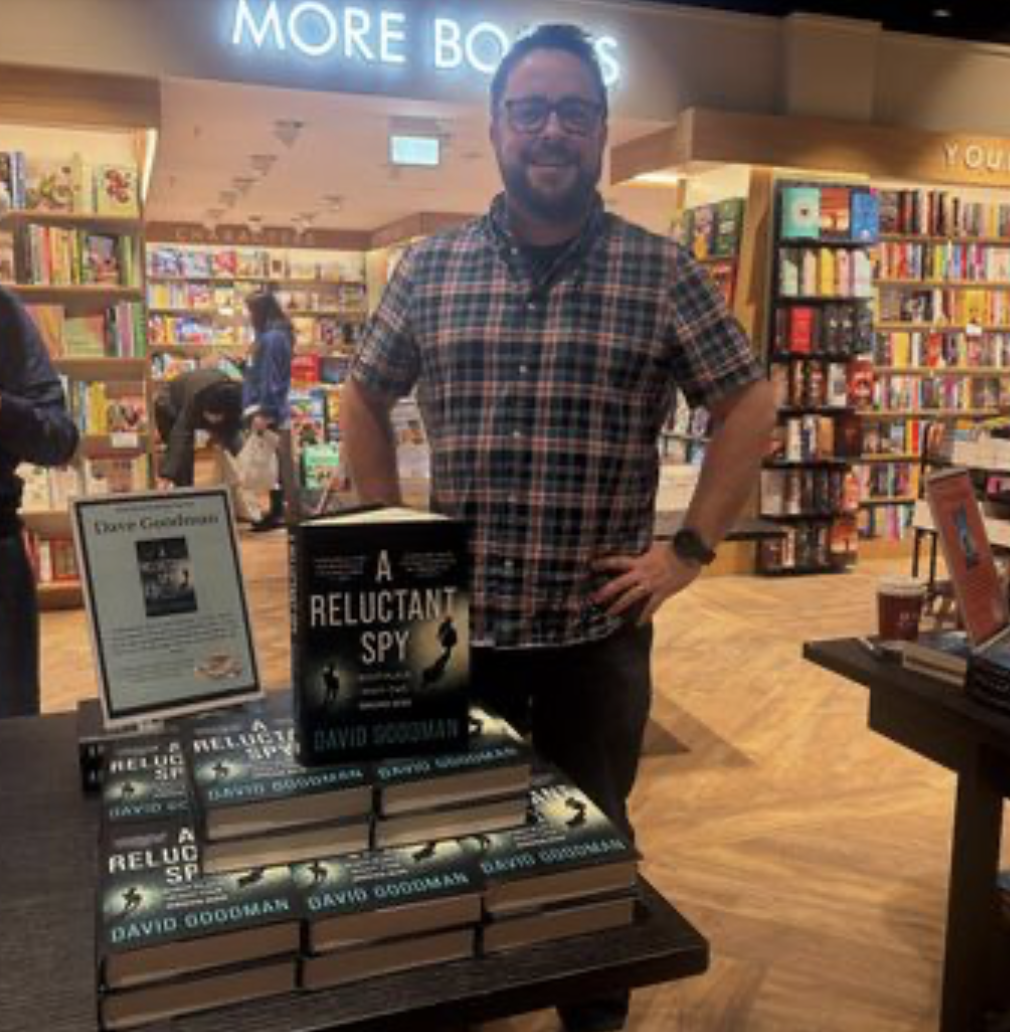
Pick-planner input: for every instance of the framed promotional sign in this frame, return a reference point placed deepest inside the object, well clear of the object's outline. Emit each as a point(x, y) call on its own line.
point(166, 603)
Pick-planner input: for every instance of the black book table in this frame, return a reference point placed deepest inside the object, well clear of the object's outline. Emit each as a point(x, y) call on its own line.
point(48, 843)
point(942, 724)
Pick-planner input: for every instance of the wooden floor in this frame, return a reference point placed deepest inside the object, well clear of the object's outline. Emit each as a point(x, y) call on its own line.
point(812, 853)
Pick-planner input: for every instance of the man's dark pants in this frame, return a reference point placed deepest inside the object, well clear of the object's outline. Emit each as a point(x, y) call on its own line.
point(586, 707)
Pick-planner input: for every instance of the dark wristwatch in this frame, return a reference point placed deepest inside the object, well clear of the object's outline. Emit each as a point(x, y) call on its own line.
point(688, 545)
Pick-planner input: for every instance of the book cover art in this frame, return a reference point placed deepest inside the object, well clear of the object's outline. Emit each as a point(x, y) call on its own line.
point(116, 190)
point(380, 635)
point(384, 892)
point(153, 903)
point(84, 336)
point(967, 554)
point(50, 186)
point(565, 835)
point(703, 224)
point(145, 780)
point(835, 213)
point(728, 226)
point(12, 184)
point(801, 213)
point(246, 779)
point(8, 259)
point(866, 216)
point(50, 321)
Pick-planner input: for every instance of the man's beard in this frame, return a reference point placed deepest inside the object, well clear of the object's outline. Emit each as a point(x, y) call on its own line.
point(568, 205)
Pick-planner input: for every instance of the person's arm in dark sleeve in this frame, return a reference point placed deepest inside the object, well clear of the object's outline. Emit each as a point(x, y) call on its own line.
point(275, 377)
point(34, 423)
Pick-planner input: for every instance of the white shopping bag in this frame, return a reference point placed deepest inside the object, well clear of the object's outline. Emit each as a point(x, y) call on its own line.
point(257, 462)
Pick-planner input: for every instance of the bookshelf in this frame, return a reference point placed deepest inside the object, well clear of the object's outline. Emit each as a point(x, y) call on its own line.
point(196, 295)
point(820, 325)
point(942, 344)
point(71, 247)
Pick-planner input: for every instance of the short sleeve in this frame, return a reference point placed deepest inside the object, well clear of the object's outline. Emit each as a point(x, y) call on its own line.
point(713, 355)
point(388, 359)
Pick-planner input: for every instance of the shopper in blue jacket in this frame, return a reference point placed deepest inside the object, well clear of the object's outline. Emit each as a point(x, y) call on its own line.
point(34, 427)
point(265, 398)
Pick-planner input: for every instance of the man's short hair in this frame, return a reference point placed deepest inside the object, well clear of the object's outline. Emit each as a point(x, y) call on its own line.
point(569, 38)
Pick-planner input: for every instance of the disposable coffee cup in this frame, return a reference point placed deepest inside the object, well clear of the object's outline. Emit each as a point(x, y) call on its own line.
point(899, 607)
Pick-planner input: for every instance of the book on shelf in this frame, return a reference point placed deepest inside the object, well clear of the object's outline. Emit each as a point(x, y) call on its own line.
point(865, 216)
point(12, 181)
point(380, 635)
point(729, 216)
point(115, 190)
point(171, 939)
point(8, 266)
point(801, 213)
point(52, 186)
point(389, 893)
point(835, 213)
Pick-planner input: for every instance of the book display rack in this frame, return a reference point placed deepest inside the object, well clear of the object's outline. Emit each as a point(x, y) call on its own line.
point(821, 326)
point(942, 347)
point(196, 294)
point(71, 246)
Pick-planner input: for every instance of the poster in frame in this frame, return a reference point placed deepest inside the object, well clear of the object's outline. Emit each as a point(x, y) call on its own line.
point(166, 604)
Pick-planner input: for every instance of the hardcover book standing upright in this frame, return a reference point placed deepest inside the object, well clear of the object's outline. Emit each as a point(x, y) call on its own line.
point(380, 635)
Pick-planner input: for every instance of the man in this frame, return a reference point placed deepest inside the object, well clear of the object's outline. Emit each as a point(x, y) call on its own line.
point(546, 341)
point(202, 399)
point(34, 427)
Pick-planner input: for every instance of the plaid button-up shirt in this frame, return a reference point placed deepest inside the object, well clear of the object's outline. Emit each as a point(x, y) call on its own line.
point(543, 402)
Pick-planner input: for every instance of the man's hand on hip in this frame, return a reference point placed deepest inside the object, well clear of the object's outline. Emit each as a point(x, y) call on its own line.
point(645, 580)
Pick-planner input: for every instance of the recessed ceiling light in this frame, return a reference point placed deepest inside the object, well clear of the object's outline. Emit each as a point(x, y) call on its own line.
point(287, 130)
point(262, 163)
point(941, 12)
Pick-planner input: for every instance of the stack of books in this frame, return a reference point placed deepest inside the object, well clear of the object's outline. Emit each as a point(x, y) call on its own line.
point(477, 790)
point(388, 910)
point(940, 654)
point(173, 940)
point(183, 926)
point(256, 805)
point(567, 871)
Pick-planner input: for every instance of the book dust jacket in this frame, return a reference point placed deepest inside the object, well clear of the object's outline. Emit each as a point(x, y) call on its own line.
point(380, 635)
point(152, 895)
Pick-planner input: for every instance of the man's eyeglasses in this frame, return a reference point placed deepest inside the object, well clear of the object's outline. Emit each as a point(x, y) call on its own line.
point(531, 114)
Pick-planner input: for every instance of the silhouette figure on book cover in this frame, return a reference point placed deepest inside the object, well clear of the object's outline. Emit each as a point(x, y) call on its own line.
point(132, 898)
point(447, 638)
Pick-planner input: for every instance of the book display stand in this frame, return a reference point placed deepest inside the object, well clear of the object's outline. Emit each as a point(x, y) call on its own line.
point(820, 323)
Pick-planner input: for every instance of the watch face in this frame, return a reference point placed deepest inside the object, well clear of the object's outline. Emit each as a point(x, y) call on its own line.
point(688, 545)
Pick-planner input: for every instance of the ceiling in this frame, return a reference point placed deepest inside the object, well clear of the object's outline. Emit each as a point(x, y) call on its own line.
point(335, 173)
point(964, 19)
